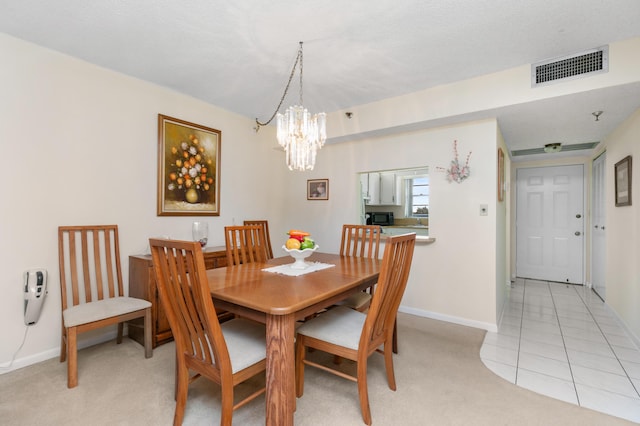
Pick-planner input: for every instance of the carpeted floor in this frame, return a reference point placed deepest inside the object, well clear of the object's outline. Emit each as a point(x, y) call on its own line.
point(440, 379)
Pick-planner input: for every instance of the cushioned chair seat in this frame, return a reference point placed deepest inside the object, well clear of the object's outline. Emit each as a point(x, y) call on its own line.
point(101, 309)
point(358, 301)
point(245, 342)
point(340, 326)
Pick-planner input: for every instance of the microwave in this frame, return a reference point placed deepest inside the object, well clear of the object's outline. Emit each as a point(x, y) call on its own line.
point(380, 218)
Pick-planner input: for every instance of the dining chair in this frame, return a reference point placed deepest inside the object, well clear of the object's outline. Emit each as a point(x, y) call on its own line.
point(355, 335)
point(363, 241)
point(92, 292)
point(245, 244)
point(265, 226)
point(360, 241)
point(228, 353)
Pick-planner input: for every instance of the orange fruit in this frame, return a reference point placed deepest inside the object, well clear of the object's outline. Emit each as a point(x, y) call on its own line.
point(292, 244)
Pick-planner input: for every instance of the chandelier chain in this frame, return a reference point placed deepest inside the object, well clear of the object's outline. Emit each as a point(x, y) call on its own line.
point(286, 89)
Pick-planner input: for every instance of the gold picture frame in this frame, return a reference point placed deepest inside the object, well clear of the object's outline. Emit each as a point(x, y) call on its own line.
point(622, 180)
point(500, 175)
point(188, 168)
point(317, 189)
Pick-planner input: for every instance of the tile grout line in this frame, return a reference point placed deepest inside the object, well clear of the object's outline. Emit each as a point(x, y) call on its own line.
point(524, 289)
point(607, 340)
point(564, 344)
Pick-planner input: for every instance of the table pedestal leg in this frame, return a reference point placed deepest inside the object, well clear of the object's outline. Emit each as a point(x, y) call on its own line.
point(280, 380)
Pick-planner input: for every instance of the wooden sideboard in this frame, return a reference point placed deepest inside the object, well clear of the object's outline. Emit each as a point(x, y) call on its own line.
point(142, 284)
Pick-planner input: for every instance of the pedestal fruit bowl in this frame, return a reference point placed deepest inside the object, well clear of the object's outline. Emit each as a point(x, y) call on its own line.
point(300, 245)
point(300, 256)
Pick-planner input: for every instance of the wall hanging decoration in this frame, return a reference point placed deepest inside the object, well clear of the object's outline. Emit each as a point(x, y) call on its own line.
point(500, 175)
point(188, 168)
point(457, 172)
point(317, 189)
point(623, 182)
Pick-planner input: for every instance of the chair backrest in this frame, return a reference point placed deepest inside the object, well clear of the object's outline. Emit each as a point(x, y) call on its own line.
point(360, 240)
point(89, 261)
point(392, 281)
point(184, 293)
point(265, 226)
point(245, 244)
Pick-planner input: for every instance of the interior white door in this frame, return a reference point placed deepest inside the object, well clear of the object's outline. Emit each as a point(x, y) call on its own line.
point(598, 250)
point(550, 223)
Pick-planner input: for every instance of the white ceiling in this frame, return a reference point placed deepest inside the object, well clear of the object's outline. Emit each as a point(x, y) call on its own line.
point(238, 55)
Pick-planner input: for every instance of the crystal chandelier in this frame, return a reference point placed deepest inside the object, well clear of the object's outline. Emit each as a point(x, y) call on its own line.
point(298, 132)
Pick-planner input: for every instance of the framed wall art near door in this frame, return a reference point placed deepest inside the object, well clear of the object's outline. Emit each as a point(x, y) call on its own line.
point(188, 168)
point(317, 189)
point(623, 182)
point(500, 175)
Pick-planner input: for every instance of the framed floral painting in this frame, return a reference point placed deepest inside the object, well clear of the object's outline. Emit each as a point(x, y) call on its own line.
point(188, 168)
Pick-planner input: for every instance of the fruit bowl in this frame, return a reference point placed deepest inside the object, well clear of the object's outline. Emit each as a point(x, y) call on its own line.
point(300, 256)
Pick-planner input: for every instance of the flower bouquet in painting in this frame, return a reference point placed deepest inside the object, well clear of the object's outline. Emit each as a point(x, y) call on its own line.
point(190, 174)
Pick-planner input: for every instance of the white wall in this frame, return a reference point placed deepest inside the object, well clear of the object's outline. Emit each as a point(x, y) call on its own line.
point(79, 146)
point(454, 278)
point(623, 228)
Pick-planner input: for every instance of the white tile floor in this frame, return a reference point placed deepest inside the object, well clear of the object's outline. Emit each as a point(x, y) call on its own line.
point(561, 341)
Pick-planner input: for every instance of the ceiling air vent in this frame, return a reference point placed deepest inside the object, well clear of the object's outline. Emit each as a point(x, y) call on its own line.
point(586, 63)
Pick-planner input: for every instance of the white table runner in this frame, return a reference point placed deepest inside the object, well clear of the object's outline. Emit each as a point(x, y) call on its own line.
point(287, 270)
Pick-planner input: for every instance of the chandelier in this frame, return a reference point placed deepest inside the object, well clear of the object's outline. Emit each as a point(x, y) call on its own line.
point(298, 132)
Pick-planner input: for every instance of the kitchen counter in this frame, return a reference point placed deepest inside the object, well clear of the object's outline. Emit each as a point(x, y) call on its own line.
point(422, 232)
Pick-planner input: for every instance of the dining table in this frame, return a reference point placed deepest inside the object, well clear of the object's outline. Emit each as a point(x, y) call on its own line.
point(279, 299)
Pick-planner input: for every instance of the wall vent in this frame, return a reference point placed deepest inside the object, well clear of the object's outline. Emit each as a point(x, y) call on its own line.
point(590, 62)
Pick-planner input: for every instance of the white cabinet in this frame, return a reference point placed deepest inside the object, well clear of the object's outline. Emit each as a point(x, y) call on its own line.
point(382, 188)
point(364, 187)
point(374, 189)
point(389, 194)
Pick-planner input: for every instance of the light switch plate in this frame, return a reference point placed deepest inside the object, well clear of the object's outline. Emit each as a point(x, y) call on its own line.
point(484, 209)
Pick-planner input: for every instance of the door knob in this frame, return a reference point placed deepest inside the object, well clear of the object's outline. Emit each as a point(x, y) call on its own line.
point(577, 233)
point(578, 216)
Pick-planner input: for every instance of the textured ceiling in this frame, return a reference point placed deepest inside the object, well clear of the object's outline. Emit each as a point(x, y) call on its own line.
point(238, 55)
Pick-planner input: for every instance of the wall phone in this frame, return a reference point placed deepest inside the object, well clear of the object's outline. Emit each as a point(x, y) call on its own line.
point(35, 289)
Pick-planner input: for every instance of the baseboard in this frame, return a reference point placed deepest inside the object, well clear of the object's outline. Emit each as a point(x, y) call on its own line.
point(625, 327)
point(26, 361)
point(449, 318)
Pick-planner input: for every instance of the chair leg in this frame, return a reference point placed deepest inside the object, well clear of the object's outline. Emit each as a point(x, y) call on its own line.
point(148, 346)
point(182, 388)
point(363, 392)
point(120, 332)
point(388, 365)
point(226, 403)
point(63, 345)
point(300, 354)
point(72, 358)
point(395, 336)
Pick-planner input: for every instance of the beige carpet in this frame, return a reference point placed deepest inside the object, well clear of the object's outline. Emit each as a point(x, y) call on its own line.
point(440, 378)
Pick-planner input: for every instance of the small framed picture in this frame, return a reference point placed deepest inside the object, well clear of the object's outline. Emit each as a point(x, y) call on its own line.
point(317, 189)
point(623, 182)
point(500, 175)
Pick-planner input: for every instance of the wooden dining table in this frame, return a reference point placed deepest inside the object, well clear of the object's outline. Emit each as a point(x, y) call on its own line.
point(279, 301)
